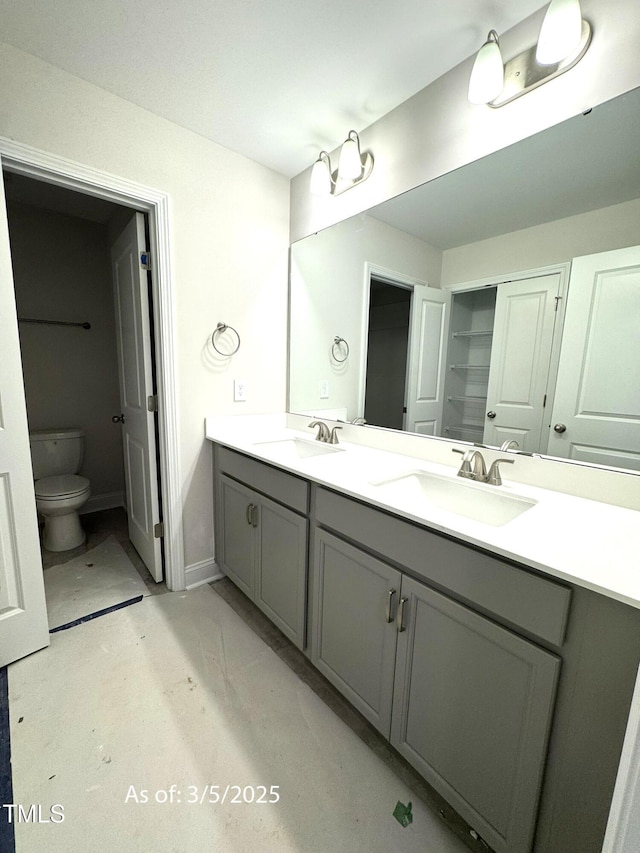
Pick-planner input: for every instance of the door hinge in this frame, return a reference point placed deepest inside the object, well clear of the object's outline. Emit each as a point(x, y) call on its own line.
point(557, 298)
point(145, 260)
point(152, 403)
point(158, 530)
point(544, 402)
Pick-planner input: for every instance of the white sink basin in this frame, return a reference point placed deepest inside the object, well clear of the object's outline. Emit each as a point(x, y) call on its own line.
point(296, 448)
point(418, 491)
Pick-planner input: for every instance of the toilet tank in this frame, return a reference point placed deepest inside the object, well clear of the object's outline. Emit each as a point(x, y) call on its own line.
point(56, 451)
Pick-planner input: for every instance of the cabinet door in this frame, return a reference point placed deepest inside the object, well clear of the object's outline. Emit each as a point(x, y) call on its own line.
point(238, 515)
point(472, 711)
point(354, 637)
point(282, 568)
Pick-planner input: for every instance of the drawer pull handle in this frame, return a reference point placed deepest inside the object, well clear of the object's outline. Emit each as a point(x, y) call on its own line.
point(387, 609)
point(400, 615)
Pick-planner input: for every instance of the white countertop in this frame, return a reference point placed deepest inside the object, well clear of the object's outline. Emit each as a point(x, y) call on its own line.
point(592, 544)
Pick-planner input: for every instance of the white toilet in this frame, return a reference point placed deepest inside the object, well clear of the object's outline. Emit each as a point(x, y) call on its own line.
point(56, 456)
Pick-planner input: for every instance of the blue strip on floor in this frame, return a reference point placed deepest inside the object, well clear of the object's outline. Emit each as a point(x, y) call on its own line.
point(7, 836)
point(95, 615)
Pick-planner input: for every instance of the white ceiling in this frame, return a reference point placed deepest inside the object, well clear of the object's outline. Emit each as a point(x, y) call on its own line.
point(275, 80)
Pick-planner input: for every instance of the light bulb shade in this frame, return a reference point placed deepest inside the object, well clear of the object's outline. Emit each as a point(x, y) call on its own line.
point(560, 33)
point(320, 183)
point(487, 74)
point(350, 162)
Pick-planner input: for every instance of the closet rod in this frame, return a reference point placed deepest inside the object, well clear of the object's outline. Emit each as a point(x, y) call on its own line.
point(53, 322)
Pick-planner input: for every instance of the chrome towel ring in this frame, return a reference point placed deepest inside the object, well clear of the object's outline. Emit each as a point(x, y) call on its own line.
point(220, 329)
point(339, 347)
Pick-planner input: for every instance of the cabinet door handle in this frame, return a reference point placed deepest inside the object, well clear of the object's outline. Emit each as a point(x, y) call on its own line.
point(249, 514)
point(254, 515)
point(387, 609)
point(400, 614)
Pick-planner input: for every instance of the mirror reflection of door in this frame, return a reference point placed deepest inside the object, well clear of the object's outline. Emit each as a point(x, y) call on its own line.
point(388, 342)
point(596, 415)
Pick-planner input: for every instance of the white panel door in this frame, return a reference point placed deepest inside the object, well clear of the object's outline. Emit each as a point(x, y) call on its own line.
point(133, 335)
point(520, 356)
point(23, 615)
point(596, 416)
point(427, 360)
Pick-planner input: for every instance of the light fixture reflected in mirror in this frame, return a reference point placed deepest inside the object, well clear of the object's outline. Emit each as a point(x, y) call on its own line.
point(564, 39)
point(353, 168)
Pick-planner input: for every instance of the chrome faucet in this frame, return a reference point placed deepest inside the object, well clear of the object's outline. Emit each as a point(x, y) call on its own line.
point(358, 421)
point(510, 444)
point(323, 432)
point(473, 467)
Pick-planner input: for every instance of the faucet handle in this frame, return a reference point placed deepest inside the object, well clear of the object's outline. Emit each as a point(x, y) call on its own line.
point(333, 438)
point(493, 477)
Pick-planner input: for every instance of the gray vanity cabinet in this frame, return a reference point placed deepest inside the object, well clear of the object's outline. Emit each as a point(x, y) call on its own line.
point(262, 545)
point(354, 634)
point(472, 711)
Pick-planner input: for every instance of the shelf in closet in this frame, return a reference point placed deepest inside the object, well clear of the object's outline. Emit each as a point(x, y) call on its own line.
point(466, 399)
point(472, 333)
point(468, 367)
point(477, 428)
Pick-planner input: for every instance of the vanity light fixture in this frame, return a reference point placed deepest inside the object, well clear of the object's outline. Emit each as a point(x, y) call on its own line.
point(353, 168)
point(563, 41)
point(487, 76)
point(561, 32)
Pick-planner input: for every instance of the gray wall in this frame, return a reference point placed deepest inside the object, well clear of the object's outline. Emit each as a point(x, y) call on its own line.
point(62, 271)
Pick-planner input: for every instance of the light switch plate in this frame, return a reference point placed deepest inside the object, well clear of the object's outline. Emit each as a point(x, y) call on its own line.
point(324, 389)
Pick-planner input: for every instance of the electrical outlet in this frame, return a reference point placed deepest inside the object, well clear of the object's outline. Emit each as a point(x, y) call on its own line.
point(239, 390)
point(324, 389)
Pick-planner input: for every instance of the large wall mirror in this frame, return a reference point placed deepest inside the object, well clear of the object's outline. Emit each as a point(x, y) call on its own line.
point(499, 303)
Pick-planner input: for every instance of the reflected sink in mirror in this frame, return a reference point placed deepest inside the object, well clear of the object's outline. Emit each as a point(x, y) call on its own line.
point(297, 448)
point(418, 492)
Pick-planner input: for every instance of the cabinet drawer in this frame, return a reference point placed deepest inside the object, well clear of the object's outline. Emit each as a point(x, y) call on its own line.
point(525, 600)
point(279, 485)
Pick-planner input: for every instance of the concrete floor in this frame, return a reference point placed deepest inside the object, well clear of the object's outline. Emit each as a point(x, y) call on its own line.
point(137, 724)
point(178, 691)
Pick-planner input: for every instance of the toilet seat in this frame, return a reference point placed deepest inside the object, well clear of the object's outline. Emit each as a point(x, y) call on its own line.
point(61, 487)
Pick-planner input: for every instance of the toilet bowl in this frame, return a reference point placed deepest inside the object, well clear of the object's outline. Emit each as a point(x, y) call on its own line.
point(58, 500)
point(60, 492)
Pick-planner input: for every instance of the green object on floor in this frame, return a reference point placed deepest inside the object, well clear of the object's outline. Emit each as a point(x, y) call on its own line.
point(403, 813)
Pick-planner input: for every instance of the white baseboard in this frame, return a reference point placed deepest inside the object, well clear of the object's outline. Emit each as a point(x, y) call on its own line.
point(200, 573)
point(109, 500)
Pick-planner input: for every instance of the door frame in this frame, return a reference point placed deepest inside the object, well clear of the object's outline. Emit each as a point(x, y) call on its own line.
point(563, 269)
point(52, 169)
point(395, 279)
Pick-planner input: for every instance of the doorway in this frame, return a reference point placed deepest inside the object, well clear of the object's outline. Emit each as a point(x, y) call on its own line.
point(71, 349)
point(387, 353)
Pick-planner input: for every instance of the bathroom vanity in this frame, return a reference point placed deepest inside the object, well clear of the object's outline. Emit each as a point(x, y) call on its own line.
point(492, 647)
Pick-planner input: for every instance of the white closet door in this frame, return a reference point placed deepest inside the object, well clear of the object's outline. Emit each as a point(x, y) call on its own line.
point(520, 356)
point(427, 360)
point(596, 416)
point(23, 614)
